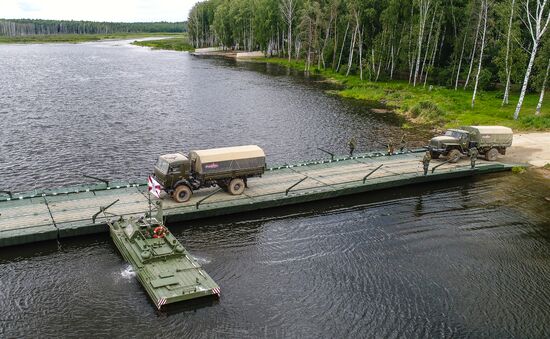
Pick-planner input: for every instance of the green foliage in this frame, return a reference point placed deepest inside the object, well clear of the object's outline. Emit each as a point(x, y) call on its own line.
point(427, 111)
point(440, 106)
point(518, 169)
point(174, 44)
point(539, 122)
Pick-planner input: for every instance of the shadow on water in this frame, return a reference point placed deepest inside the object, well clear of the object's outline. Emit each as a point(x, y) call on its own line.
point(48, 247)
point(189, 306)
point(254, 219)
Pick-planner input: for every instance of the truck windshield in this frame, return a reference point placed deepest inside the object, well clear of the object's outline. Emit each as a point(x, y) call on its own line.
point(454, 134)
point(162, 165)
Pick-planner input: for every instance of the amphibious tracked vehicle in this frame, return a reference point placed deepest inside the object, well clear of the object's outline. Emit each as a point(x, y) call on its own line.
point(164, 268)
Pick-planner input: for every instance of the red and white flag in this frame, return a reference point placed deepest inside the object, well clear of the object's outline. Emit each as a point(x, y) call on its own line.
point(154, 186)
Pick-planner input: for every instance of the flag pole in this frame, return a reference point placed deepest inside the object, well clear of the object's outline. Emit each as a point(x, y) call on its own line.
point(149, 198)
point(150, 212)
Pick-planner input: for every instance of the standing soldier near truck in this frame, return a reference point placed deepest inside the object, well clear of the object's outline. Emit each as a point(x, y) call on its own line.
point(352, 144)
point(391, 148)
point(403, 143)
point(473, 156)
point(426, 162)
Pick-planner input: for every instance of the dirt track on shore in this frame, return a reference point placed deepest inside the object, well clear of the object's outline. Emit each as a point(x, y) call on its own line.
point(529, 148)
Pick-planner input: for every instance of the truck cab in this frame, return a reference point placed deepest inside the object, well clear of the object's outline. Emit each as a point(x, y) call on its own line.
point(171, 168)
point(452, 143)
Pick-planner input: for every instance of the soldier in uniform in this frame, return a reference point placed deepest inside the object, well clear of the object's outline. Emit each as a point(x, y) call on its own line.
point(403, 143)
point(390, 147)
point(352, 144)
point(473, 156)
point(426, 162)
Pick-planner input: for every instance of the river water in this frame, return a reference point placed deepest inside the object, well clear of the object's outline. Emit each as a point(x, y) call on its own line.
point(469, 258)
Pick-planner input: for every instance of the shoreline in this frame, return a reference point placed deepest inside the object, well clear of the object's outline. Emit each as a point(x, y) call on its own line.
point(530, 148)
point(228, 54)
point(436, 106)
point(81, 38)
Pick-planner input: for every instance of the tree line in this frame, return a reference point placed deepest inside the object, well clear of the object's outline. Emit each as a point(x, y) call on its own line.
point(468, 44)
point(25, 27)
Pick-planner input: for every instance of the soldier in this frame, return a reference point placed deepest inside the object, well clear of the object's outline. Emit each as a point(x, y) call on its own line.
point(403, 143)
point(352, 144)
point(426, 161)
point(473, 156)
point(390, 147)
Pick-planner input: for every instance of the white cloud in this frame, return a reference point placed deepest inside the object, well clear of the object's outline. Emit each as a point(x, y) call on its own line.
point(97, 10)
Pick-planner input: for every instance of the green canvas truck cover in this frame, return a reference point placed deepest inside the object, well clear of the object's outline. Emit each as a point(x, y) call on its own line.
point(227, 158)
point(490, 135)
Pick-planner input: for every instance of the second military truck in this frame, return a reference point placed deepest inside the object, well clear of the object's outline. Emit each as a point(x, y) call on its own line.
point(488, 140)
point(227, 167)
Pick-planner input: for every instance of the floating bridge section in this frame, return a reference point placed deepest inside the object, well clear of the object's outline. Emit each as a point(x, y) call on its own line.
point(66, 212)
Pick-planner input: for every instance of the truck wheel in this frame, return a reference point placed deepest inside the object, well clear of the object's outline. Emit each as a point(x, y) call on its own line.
point(492, 154)
point(453, 156)
point(236, 186)
point(182, 193)
point(434, 155)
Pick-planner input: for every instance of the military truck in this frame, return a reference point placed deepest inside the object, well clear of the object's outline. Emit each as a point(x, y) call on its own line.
point(489, 141)
point(227, 167)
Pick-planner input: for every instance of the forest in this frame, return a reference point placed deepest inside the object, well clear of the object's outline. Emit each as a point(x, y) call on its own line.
point(461, 44)
point(27, 27)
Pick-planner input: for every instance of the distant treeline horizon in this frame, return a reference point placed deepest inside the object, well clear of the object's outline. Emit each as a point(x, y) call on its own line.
point(25, 27)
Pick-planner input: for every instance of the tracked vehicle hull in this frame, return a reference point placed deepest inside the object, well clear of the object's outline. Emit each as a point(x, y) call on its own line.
point(164, 268)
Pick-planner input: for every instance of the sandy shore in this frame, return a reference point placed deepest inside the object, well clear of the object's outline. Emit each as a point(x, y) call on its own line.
point(529, 148)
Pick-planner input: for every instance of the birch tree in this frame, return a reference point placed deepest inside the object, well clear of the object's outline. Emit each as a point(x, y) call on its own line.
point(507, 64)
point(424, 7)
point(484, 9)
point(472, 57)
point(543, 89)
point(536, 22)
point(288, 9)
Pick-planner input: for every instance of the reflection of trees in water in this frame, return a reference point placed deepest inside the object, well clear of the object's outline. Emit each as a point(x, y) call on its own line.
point(418, 207)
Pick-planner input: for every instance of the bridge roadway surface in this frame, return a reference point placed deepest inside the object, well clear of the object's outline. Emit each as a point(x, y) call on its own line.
point(60, 213)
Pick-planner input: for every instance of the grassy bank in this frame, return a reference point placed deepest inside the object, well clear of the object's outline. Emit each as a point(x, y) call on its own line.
point(438, 105)
point(76, 38)
point(175, 44)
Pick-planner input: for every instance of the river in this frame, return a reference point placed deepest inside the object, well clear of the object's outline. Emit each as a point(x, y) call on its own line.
point(469, 258)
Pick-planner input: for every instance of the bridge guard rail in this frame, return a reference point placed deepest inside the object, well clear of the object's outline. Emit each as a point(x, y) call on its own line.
point(295, 184)
point(371, 172)
point(208, 196)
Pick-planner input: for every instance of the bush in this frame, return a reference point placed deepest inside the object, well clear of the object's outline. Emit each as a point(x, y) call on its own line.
point(485, 80)
point(518, 169)
point(443, 76)
point(535, 121)
point(427, 110)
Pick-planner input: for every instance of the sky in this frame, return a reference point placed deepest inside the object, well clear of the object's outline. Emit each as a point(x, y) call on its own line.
point(97, 10)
